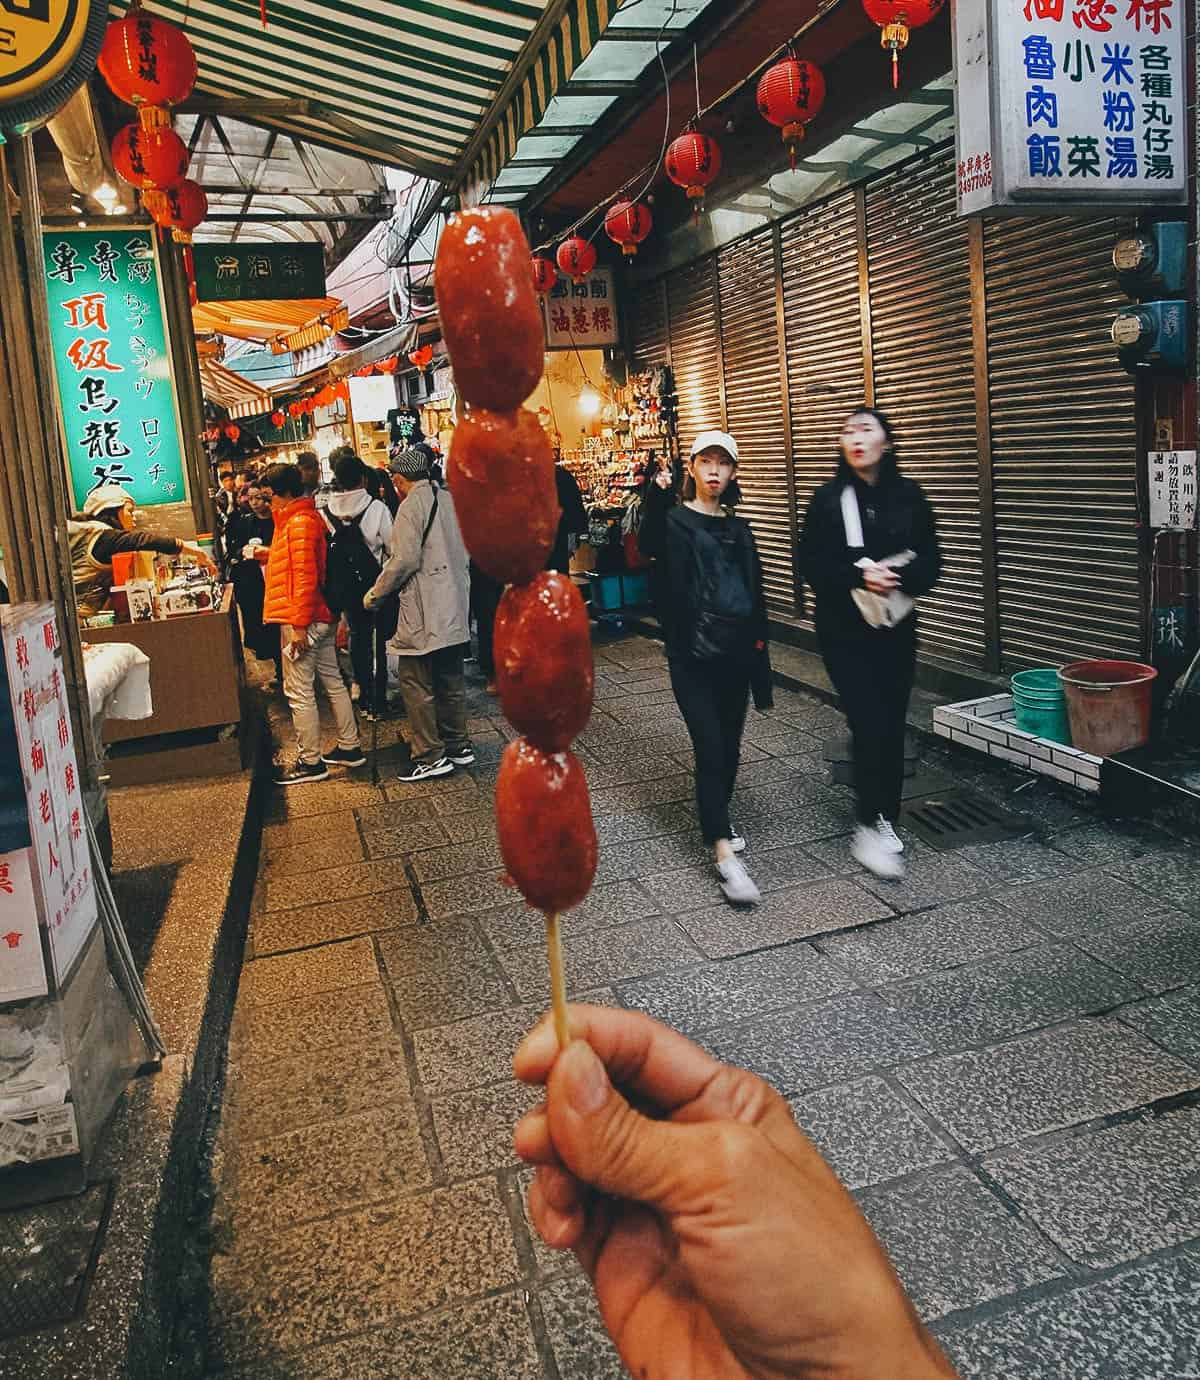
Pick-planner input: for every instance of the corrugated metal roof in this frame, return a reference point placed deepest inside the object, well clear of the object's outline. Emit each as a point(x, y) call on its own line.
point(404, 81)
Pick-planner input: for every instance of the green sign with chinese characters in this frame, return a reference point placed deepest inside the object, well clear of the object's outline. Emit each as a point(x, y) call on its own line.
point(115, 388)
point(259, 272)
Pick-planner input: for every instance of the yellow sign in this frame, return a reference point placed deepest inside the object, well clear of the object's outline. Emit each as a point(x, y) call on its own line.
point(39, 39)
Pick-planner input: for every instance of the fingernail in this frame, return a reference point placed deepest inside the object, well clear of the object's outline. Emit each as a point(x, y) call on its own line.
point(587, 1081)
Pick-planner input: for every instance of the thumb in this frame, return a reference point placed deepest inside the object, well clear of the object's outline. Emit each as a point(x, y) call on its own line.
point(605, 1143)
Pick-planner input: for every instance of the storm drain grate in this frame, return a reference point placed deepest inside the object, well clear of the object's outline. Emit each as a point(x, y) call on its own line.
point(48, 1255)
point(954, 819)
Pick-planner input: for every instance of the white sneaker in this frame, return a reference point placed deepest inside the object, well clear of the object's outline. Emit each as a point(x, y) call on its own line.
point(422, 771)
point(870, 850)
point(737, 842)
point(888, 836)
point(736, 883)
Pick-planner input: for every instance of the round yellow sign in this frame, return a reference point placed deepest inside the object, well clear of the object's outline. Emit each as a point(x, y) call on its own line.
point(38, 41)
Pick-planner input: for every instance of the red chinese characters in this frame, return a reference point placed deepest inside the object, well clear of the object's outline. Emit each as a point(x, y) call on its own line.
point(86, 355)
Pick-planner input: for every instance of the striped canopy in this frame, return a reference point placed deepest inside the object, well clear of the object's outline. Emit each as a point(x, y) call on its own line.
point(434, 86)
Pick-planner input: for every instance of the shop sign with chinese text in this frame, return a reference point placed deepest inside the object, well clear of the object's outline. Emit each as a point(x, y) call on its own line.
point(60, 862)
point(1070, 104)
point(581, 315)
point(259, 272)
point(116, 393)
point(1173, 490)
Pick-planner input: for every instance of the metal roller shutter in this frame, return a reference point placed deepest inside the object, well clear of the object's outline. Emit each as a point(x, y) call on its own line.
point(1064, 444)
point(823, 323)
point(924, 379)
point(695, 348)
point(648, 325)
point(750, 344)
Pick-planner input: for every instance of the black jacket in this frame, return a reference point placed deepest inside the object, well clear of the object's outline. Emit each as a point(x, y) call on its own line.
point(671, 534)
point(896, 516)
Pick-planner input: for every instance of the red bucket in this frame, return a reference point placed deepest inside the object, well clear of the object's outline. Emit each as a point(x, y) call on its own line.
point(1108, 703)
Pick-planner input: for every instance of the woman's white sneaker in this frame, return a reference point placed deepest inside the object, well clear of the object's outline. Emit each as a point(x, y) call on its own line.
point(736, 883)
point(870, 850)
point(888, 836)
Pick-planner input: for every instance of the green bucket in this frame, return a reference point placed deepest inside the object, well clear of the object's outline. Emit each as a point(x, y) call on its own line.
point(1040, 705)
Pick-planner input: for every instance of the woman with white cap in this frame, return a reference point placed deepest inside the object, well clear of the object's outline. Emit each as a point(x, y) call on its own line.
point(714, 623)
point(105, 530)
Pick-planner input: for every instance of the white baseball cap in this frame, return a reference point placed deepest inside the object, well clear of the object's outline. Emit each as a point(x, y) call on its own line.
point(720, 439)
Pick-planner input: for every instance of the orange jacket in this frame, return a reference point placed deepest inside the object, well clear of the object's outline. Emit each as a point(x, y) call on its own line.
point(296, 567)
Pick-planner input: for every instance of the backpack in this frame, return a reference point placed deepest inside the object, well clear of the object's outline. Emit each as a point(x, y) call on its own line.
point(350, 569)
point(723, 575)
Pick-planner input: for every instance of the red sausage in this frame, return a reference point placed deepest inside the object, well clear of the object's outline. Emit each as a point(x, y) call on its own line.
point(489, 310)
point(543, 653)
point(501, 474)
point(544, 823)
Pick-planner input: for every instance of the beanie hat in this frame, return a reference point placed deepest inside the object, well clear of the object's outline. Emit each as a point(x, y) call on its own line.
point(104, 498)
point(412, 463)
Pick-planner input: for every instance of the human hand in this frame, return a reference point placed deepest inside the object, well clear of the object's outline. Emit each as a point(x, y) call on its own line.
point(880, 579)
point(298, 640)
point(663, 479)
point(719, 1243)
point(199, 555)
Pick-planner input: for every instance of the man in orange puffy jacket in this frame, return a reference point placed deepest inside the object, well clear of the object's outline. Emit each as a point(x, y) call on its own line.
point(295, 575)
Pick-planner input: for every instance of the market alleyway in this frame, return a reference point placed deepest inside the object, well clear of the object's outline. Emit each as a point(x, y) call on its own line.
point(1001, 1056)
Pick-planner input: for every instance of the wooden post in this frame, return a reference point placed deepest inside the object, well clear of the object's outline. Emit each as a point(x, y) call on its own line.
point(185, 365)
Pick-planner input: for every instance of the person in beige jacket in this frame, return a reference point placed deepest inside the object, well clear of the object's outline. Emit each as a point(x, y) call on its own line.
point(428, 567)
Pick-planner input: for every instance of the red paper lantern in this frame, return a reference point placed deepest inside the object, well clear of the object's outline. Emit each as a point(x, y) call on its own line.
point(277, 419)
point(180, 209)
point(790, 94)
point(628, 223)
point(232, 432)
point(895, 18)
point(295, 409)
point(149, 158)
point(423, 357)
point(148, 63)
point(576, 258)
point(365, 372)
point(545, 275)
point(693, 162)
point(341, 390)
point(389, 365)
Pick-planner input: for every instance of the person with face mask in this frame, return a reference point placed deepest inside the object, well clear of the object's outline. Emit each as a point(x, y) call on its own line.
point(869, 548)
point(714, 622)
point(102, 531)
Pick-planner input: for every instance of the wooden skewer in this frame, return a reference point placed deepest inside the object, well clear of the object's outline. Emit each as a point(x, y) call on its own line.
point(558, 983)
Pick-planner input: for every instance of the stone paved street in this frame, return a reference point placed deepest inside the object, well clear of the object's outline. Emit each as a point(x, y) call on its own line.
point(1000, 1056)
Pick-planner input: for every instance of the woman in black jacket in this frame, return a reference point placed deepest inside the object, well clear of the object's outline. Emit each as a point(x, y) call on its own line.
point(710, 595)
point(868, 549)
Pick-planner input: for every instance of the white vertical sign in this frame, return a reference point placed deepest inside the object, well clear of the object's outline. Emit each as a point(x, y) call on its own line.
point(1173, 489)
point(22, 968)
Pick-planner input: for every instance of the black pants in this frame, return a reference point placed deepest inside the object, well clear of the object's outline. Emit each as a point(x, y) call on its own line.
point(712, 697)
point(872, 672)
point(485, 599)
point(369, 636)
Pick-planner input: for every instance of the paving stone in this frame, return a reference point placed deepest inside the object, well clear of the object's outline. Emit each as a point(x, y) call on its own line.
point(635, 768)
point(581, 1345)
point(824, 1042)
point(866, 1133)
point(269, 1097)
point(395, 814)
point(1172, 1021)
point(442, 972)
point(305, 926)
point(624, 861)
point(616, 903)
point(469, 826)
point(1016, 860)
point(348, 1016)
point(482, 1341)
point(932, 1228)
point(459, 783)
point(466, 895)
point(601, 958)
point(402, 839)
point(651, 821)
point(286, 977)
point(1045, 1082)
point(791, 913)
point(475, 1129)
point(775, 868)
point(548, 1262)
point(1160, 951)
point(1102, 844)
point(736, 989)
point(1108, 1196)
point(686, 888)
point(479, 1051)
point(943, 938)
point(325, 798)
point(459, 860)
point(333, 884)
point(1071, 905)
point(364, 1269)
point(1141, 1325)
point(314, 855)
point(278, 837)
point(997, 997)
point(333, 1166)
point(933, 879)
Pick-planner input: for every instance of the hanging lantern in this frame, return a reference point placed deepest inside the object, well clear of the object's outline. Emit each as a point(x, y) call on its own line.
point(545, 275)
point(277, 419)
point(895, 18)
point(149, 158)
point(231, 432)
point(294, 410)
point(389, 365)
point(790, 94)
point(180, 209)
point(627, 224)
point(148, 63)
point(693, 162)
point(423, 357)
point(576, 258)
point(341, 390)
